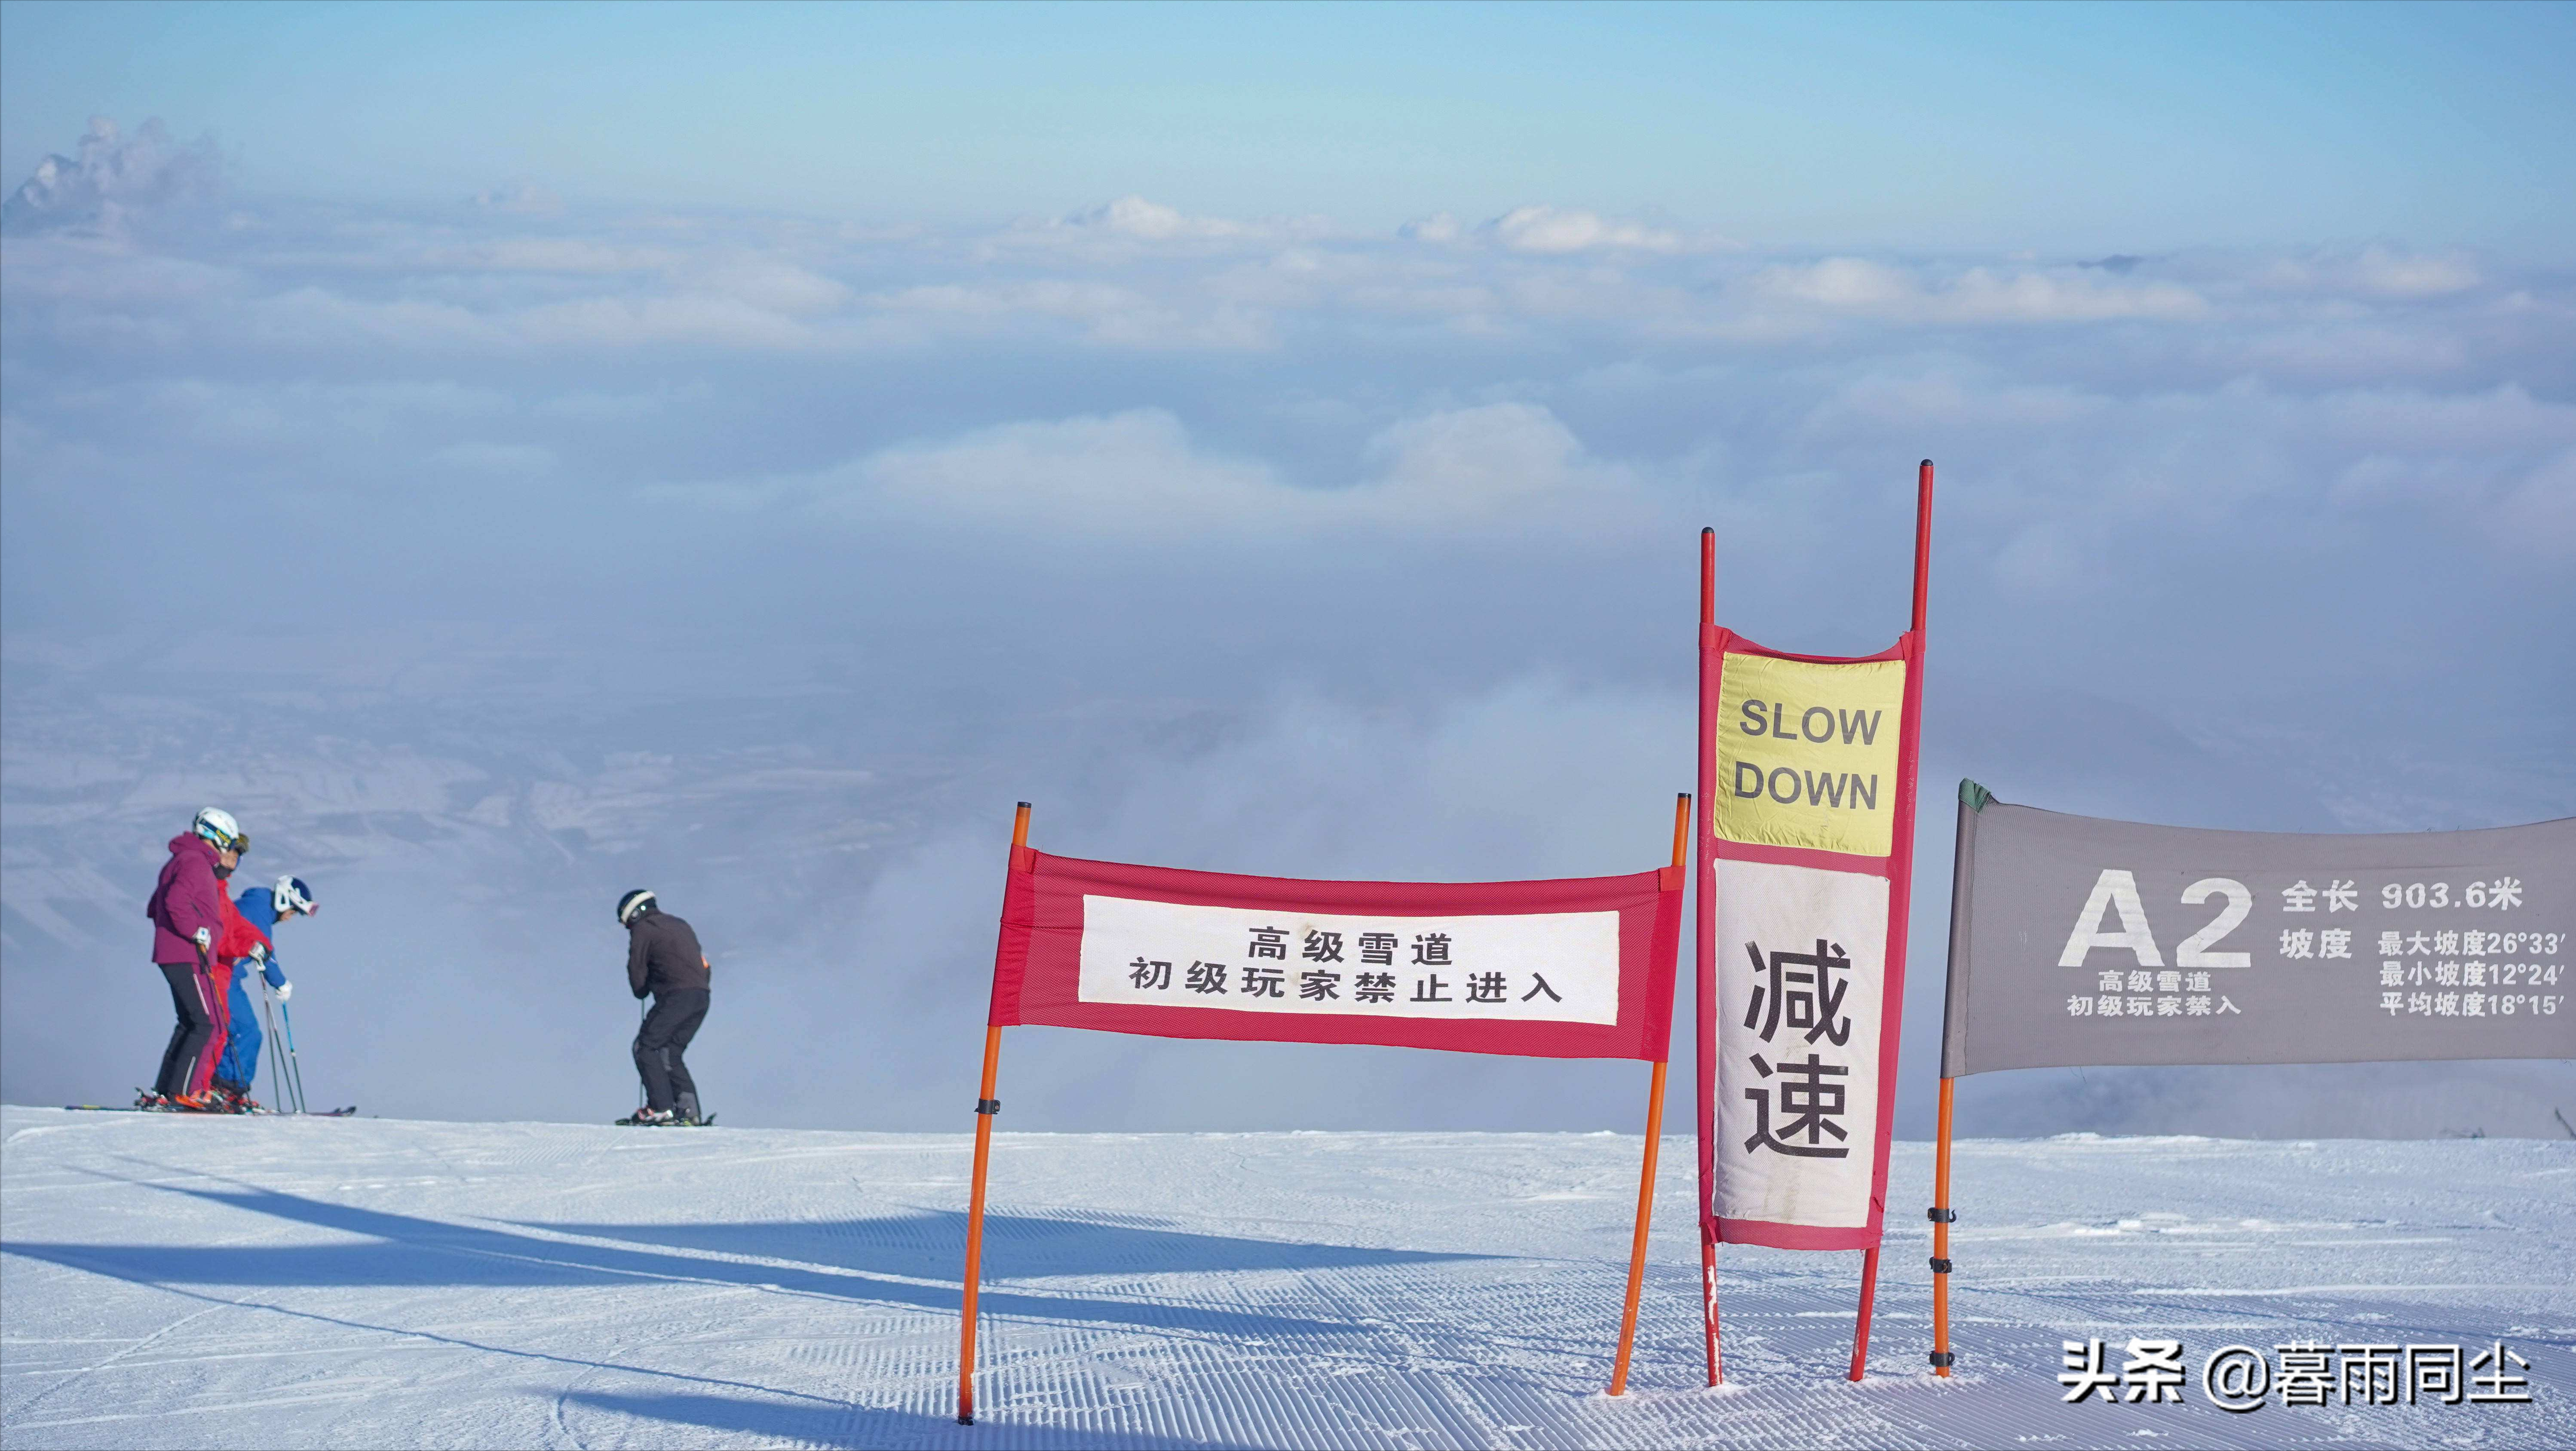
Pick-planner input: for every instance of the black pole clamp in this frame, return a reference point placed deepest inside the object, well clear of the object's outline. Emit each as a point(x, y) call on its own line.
point(1939, 1215)
point(988, 1105)
point(1944, 1359)
point(1940, 1266)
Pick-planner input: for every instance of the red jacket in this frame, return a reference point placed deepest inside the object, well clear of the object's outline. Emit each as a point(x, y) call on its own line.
point(186, 898)
point(238, 936)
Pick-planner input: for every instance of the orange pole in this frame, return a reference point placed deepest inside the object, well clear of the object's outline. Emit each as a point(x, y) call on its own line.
point(1645, 1217)
point(1646, 1174)
point(1941, 1217)
point(986, 1106)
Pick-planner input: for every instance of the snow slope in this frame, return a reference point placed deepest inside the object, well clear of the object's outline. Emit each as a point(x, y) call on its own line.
point(279, 1282)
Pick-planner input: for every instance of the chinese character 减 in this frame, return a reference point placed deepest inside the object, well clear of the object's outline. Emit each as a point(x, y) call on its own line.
point(1315, 984)
point(1206, 977)
point(1373, 987)
point(1811, 996)
point(1484, 987)
point(1377, 948)
point(1808, 1104)
point(1322, 946)
point(2299, 897)
point(1264, 982)
point(1150, 974)
point(1268, 942)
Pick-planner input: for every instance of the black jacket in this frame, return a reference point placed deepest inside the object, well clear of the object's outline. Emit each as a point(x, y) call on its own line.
point(663, 956)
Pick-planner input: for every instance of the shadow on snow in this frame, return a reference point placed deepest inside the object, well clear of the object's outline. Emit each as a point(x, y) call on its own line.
point(853, 1260)
point(809, 1425)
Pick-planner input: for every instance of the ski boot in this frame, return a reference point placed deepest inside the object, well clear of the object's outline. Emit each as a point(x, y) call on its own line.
point(649, 1118)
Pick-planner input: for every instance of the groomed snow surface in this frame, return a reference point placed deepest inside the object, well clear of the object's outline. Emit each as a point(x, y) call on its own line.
point(280, 1282)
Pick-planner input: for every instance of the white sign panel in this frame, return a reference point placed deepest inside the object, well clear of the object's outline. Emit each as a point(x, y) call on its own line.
point(1801, 969)
point(1555, 967)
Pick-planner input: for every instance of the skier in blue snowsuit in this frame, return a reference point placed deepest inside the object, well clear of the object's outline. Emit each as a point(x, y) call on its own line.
point(263, 908)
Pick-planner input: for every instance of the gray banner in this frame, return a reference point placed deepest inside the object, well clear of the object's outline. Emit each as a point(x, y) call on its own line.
point(2081, 942)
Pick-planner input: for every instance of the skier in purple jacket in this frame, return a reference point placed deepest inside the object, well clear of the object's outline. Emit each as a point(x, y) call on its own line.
point(187, 917)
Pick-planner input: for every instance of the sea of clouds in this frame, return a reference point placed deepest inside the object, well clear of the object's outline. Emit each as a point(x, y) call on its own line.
point(491, 558)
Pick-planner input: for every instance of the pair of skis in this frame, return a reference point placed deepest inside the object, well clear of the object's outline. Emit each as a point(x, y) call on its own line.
point(349, 1112)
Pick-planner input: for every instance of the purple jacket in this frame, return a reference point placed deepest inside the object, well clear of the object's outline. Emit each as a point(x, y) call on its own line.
point(186, 898)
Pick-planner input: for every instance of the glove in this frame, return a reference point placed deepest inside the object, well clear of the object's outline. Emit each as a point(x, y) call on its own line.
point(259, 952)
point(285, 990)
point(205, 939)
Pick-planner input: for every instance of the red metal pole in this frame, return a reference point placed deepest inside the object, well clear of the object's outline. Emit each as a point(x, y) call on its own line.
point(1922, 540)
point(986, 1106)
point(1902, 916)
point(1704, 948)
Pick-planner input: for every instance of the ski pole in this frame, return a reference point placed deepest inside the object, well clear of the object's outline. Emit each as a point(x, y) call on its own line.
point(276, 1045)
point(287, 1012)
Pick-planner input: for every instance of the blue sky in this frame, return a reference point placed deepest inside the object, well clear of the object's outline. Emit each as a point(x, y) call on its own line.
point(2083, 128)
point(512, 455)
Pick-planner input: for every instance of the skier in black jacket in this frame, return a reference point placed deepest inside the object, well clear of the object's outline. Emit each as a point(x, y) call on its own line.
point(663, 959)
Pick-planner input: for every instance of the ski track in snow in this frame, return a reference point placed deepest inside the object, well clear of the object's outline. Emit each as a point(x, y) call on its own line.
point(282, 1282)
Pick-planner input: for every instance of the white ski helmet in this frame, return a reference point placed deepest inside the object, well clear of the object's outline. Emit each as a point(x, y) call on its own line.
point(218, 827)
point(291, 896)
point(632, 905)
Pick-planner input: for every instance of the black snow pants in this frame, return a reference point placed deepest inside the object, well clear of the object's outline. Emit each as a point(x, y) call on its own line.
point(665, 1036)
point(195, 1030)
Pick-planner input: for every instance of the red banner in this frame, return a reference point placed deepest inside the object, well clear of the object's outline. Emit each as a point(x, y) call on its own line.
point(1573, 968)
point(1806, 861)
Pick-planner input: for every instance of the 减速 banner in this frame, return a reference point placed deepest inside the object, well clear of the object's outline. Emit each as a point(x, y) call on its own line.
point(1812, 765)
point(1579, 968)
point(2081, 942)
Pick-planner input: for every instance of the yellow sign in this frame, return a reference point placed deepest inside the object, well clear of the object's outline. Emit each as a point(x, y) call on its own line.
point(1806, 753)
